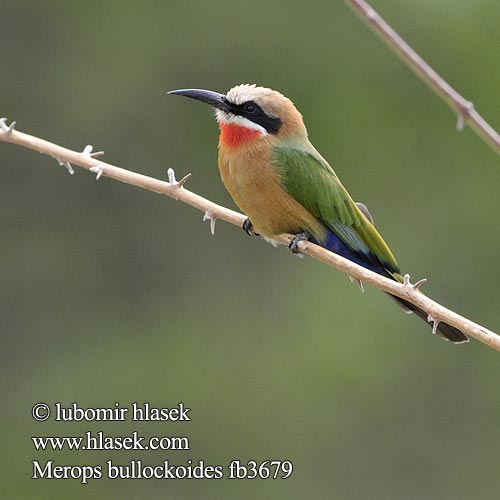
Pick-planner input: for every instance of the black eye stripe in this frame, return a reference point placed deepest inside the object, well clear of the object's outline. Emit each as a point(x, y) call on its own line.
point(253, 112)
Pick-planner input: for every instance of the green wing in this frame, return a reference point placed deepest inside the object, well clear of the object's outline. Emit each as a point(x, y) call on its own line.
point(314, 184)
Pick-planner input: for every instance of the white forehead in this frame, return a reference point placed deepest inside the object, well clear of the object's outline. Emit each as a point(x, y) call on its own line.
point(244, 93)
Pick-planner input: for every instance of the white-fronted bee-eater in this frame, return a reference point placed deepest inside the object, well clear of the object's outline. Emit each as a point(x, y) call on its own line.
point(283, 185)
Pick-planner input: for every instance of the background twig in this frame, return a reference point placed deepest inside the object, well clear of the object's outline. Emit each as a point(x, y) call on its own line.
point(466, 113)
point(175, 189)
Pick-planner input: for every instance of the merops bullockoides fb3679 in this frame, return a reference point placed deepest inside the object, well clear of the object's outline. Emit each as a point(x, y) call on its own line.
point(283, 185)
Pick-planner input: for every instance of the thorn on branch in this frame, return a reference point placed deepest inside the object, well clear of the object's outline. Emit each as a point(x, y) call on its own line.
point(183, 181)
point(359, 282)
point(415, 286)
point(275, 244)
point(435, 323)
point(172, 180)
point(465, 110)
point(209, 216)
point(371, 15)
point(6, 128)
point(98, 170)
point(66, 165)
point(419, 283)
point(87, 151)
point(171, 176)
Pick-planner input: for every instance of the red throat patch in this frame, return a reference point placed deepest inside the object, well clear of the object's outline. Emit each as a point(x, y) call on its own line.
point(236, 135)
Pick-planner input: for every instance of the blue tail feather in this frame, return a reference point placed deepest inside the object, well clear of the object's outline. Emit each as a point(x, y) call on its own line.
point(333, 243)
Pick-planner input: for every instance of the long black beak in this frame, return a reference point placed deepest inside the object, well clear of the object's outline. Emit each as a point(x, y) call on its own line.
point(213, 98)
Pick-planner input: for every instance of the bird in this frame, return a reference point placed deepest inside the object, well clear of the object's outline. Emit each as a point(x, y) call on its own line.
point(283, 184)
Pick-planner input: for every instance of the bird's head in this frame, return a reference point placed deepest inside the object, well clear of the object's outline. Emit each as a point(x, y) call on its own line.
point(249, 113)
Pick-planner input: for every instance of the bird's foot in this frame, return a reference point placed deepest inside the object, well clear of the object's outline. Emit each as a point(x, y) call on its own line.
point(248, 227)
point(293, 246)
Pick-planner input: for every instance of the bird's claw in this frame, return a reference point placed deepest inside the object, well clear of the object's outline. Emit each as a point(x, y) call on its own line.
point(248, 227)
point(293, 246)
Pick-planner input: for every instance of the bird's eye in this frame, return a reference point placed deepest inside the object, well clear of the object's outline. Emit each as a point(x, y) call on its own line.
point(250, 107)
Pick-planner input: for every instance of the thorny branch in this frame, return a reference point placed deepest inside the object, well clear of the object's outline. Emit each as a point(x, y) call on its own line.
point(175, 189)
point(466, 113)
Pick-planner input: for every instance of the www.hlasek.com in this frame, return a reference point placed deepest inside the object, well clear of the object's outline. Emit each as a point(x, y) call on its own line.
point(136, 469)
point(99, 441)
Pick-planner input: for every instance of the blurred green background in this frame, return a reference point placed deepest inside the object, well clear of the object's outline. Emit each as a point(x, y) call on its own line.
point(111, 293)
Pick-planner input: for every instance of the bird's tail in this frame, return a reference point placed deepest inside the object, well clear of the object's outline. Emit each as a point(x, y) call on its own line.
point(445, 330)
point(333, 243)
